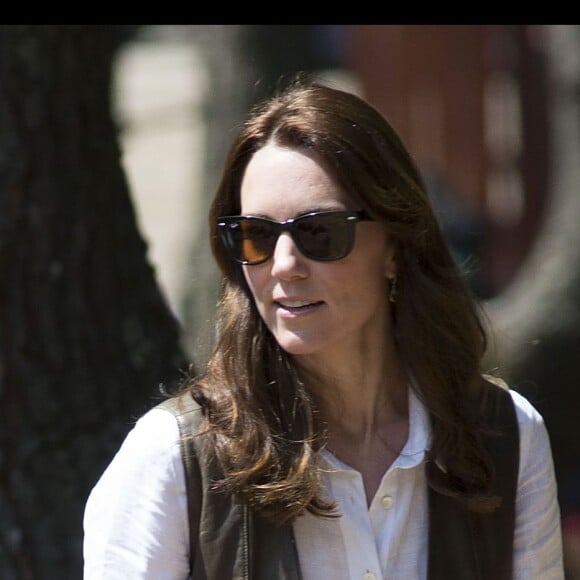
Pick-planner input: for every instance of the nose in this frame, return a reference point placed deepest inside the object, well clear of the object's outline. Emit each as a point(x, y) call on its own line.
point(287, 261)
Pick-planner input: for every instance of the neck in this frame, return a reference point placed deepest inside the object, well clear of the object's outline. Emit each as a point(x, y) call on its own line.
point(361, 394)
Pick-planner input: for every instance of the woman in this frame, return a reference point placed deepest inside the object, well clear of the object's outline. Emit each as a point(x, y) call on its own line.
point(342, 428)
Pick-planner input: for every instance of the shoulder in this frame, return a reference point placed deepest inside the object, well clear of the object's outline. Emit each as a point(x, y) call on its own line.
point(136, 514)
point(537, 541)
point(527, 415)
point(186, 411)
point(181, 404)
point(535, 445)
point(147, 464)
point(532, 431)
point(533, 436)
point(154, 440)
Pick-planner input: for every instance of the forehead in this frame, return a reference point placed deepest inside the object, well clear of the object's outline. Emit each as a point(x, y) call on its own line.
point(281, 182)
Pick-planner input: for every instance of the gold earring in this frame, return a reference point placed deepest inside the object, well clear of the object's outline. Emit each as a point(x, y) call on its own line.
point(393, 291)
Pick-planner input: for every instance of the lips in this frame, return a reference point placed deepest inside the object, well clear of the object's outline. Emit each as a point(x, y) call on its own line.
point(295, 305)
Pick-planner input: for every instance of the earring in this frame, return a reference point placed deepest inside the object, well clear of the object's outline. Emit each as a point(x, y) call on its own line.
point(393, 291)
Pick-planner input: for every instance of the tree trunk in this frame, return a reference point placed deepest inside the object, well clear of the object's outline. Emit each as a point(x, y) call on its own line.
point(85, 335)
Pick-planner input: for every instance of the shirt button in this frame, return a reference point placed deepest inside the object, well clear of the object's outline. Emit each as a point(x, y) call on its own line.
point(387, 502)
point(369, 576)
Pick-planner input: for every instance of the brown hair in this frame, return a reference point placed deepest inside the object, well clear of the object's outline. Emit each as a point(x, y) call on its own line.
point(263, 425)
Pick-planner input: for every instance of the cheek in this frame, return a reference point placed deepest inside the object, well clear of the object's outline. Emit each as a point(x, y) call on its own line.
point(373, 284)
point(255, 281)
point(362, 287)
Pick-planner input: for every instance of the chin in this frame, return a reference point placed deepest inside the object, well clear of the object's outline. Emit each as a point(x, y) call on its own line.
point(297, 346)
point(297, 350)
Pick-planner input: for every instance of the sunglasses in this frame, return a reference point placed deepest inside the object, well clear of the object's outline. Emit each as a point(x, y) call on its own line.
point(322, 236)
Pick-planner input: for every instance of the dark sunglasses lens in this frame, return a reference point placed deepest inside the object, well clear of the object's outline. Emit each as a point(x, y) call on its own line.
point(324, 237)
point(259, 240)
point(250, 239)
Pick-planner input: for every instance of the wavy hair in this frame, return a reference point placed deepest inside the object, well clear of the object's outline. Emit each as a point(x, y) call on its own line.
point(263, 424)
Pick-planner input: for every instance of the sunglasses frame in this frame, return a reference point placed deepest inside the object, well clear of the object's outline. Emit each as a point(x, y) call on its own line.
point(351, 217)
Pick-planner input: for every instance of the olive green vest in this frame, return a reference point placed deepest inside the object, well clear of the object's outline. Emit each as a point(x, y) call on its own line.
point(229, 541)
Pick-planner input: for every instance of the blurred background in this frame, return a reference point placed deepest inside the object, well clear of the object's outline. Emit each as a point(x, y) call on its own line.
point(112, 139)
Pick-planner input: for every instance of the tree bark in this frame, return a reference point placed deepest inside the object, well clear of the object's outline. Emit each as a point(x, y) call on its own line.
point(85, 335)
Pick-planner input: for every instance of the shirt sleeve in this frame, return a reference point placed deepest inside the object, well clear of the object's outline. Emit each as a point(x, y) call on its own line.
point(135, 520)
point(537, 537)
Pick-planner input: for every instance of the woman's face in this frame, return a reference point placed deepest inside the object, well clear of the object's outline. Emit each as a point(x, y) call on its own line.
point(315, 308)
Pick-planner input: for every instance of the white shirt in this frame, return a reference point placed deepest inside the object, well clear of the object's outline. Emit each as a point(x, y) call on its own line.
point(136, 524)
